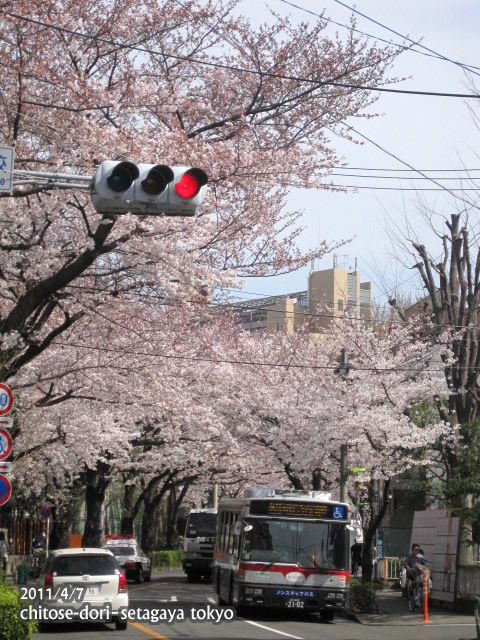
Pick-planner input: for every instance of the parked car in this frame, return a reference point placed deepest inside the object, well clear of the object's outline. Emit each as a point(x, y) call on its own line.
point(134, 562)
point(95, 571)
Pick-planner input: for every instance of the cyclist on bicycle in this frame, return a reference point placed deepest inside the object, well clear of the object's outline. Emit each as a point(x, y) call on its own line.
point(40, 542)
point(415, 564)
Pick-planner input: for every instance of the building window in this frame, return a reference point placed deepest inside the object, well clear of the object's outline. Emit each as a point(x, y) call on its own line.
point(340, 304)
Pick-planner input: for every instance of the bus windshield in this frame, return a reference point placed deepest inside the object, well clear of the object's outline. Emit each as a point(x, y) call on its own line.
point(312, 545)
point(201, 525)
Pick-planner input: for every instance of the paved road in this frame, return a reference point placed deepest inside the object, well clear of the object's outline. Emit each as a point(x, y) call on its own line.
point(172, 590)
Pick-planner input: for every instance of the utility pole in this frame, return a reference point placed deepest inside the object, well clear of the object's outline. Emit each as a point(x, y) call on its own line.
point(343, 473)
point(215, 496)
point(343, 370)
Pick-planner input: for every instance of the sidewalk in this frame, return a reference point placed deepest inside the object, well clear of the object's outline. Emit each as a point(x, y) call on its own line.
point(394, 611)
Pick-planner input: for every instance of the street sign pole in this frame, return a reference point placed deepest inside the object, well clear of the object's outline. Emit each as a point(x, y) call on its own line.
point(6, 398)
point(48, 534)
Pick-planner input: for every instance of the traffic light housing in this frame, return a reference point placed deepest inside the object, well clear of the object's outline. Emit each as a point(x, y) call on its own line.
point(148, 189)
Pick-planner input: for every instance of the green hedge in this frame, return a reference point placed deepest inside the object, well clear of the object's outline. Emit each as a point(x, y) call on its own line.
point(363, 596)
point(167, 559)
point(11, 627)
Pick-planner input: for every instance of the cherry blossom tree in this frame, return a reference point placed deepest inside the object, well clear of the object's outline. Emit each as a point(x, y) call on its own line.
point(88, 301)
point(178, 83)
point(293, 403)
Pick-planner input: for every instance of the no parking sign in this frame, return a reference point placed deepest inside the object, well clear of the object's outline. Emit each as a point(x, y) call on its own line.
point(5, 489)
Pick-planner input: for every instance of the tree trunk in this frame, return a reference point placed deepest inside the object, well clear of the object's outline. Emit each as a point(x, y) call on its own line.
point(62, 517)
point(152, 499)
point(465, 556)
point(174, 504)
point(128, 515)
point(97, 481)
point(376, 517)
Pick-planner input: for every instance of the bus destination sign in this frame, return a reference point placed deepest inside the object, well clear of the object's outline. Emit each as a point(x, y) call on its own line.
point(290, 509)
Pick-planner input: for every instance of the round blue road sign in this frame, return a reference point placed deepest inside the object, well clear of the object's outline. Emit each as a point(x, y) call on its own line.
point(45, 513)
point(5, 489)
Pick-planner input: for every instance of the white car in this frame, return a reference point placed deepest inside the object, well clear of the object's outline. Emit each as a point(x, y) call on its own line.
point(79, 579)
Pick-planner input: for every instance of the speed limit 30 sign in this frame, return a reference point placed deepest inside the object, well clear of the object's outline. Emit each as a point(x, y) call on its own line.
point(6, 399)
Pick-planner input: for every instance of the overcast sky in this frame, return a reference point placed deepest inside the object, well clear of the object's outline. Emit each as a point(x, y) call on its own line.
point(426, 132)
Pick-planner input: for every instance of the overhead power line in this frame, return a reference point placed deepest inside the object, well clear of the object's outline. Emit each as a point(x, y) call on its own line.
point(375, 188)
point(397, 33)
point(378, 38)
point(359, 175)
point(348, 168)
point(260, 363)
point(219, 65)
point(239, 306)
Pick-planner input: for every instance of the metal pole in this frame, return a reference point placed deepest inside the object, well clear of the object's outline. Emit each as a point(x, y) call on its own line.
point(48, 534)
point(51, 176)
point(343, 473)
point(425, 599)
point(215, 496)
point(54, 185)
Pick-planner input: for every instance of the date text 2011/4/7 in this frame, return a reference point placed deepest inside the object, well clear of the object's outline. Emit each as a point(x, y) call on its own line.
point(65, 593)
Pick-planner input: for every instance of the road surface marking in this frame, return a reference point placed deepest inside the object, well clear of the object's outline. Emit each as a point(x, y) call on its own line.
point(148, 586)
point(212, 600)
point(282, 633)
point(154, 634)
point(174, 598)
point(452, 624)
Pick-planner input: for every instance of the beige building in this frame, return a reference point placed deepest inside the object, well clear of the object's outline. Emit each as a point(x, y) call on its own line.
point(330, 293)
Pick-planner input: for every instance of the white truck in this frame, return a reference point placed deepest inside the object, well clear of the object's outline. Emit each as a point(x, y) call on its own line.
point(198, 543)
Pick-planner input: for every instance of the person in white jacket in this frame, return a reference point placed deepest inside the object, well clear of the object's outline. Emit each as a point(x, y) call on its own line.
point(4, 554)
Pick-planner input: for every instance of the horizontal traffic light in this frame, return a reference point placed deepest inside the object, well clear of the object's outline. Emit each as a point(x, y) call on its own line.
point(148, 189)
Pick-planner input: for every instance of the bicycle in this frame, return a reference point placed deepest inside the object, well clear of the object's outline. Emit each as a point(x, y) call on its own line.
point(415, 595)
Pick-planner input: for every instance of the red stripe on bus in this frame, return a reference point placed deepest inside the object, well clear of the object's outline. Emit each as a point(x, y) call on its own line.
point(279, 568)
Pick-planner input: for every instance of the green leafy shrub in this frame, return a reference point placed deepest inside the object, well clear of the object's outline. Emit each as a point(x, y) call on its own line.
point(167, 559)
point(363, 597)
point(11, 627)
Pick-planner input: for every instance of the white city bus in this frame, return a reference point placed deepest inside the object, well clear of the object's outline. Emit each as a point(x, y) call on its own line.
point(283, 548)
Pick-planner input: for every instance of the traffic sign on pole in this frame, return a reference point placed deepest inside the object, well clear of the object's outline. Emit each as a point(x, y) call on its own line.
point(6, 467)
point(45, 513)
point(5, 444)
point(6, 398)
point(6, 423)
point(7, 155)
point(5, 489)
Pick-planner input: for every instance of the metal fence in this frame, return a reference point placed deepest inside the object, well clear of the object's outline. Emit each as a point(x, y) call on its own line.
point(389, 568)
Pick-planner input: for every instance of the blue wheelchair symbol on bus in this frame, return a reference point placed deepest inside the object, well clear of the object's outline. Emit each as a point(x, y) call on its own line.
point(338, 513)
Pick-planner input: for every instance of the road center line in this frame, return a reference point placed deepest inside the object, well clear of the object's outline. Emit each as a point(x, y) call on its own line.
point(282, 633)
point(151, 633)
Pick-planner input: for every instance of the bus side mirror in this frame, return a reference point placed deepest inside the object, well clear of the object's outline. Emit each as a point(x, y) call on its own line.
point(247, 528)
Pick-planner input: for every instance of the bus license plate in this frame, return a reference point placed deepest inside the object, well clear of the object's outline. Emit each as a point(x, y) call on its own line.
point(295, 603)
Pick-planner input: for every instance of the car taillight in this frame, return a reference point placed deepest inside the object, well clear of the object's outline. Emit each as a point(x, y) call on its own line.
point(122, 583)
point(48, 580)
point(129, 565)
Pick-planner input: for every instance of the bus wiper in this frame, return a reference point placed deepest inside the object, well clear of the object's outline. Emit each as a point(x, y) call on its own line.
point(311, 558)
